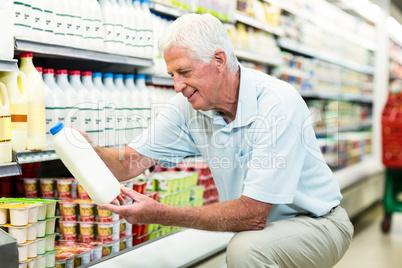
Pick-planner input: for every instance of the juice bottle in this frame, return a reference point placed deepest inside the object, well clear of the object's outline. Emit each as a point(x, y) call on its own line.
point(5, 126)
point(85, 164)
point(36, 104)
point(18, 97)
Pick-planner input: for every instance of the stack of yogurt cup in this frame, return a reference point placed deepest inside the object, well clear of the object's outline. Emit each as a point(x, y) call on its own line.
point(32, 223)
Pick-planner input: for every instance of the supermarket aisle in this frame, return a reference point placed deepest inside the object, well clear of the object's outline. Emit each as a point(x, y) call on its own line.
point(370, 248)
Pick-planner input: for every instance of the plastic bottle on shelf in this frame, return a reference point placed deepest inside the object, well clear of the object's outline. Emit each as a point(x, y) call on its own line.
point(60, 23)
point(97, 25)
point(133, 29)
point(71, 39)
point(88, 17)
point(139, 45)
point(50, 115)
point(36, 104)
point(98, 128)
point(125, 109)
point(72, 99)
point(145, 103)
point(148, 29)
point(108, 24)
point(38, 20)
point(5, 126)
point(57, 105)
point(118, 15)
point(85, 165)
point(86, 114)
point(77, 13)
point(133, 119)
point(22, 19)
point(126, 33)
point(7, 23)
point(105, 108)
point(114, 112)
point(49, 20)
point(18, 97)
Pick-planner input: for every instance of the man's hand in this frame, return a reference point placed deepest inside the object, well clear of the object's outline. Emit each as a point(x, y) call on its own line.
point(143, 210)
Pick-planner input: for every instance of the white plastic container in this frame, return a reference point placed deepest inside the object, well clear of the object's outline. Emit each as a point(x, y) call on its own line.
point(103, 107)
point(22, 19)
point(49, 20)
point(5, 126)
point(109, 28)
point(38, 20)
point(18, 232)
point(6, 22)
point(114, 102)
point(85, 164)
point(18, 96)
point(36, 104)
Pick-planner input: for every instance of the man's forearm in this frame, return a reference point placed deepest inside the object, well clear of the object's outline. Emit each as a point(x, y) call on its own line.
point(231, 216)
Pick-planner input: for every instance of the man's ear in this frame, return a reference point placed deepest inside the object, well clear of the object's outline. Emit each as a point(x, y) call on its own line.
point(220, 59)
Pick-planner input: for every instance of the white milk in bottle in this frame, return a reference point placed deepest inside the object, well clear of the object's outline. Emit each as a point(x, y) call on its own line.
point(84, 163)
point(97, 28)
point(18, 96)
point(7, 24)
point(5, 126)
point(49, 20)
point(36, 104)
point(38, 20)
point(98, 127)
point(22, 19)
point(114, 102)
point(50, 116)
point(148, 29)
point(108, 23)
point(102, 107)
point(125, 109)
point(72, 99)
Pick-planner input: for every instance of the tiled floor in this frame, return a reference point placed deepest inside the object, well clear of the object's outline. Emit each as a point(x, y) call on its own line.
point(370, 247)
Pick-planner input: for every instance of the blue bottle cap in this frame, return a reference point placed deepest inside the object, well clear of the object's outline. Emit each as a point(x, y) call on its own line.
point(118, 76)
point(108, 75)
point(129, 76)
point(56, 129)
point(97, 74)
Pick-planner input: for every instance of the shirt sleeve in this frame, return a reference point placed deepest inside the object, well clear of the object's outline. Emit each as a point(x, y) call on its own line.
point(167, 139)
point(275, 161)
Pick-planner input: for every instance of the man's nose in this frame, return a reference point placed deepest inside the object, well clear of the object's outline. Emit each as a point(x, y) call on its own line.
point(179, 84)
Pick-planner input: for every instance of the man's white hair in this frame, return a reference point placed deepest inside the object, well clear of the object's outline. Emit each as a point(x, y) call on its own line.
point(201, 34)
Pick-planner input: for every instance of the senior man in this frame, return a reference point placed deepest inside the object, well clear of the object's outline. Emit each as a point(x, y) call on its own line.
point(254, 132)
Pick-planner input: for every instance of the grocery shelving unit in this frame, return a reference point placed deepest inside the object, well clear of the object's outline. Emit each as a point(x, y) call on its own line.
point(166, 249)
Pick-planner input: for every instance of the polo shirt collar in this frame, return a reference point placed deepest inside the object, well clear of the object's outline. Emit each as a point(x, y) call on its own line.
point(247, 104)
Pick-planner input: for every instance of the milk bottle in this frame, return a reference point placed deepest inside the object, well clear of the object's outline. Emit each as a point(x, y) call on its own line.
point(72, 99)
point(59, 99)
point(122, 121)
point(5, 126)
point(36, 104)
point(49, 20)
point(18, 97)
point(76, 13)
point(71, 38)
point(126, 33)
point(60, 24)
point(118, 22)
point(114, 106)
point(146, 100)
point(98, 131)
point(22, 19)
point(148, 29)
point(140, 37)
point(133, 28)
point(108, 25)
point(85, 164)
point(97, 25)
point(106, 108)
point(86, 113)
point(50, 115)
point(38, 21)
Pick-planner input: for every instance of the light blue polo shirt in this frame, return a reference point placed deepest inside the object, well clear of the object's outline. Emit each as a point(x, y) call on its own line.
point(268, 153)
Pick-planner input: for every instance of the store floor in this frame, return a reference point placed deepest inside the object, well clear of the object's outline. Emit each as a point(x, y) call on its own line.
point(370, 248)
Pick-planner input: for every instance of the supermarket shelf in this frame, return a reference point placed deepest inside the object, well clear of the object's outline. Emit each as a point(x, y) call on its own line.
point(77, 53)
point(194, 246)
point(249, 20)
point(368, 44)
point(10, 169)
point(325, 57)
point(331, 131)
point(263, 59)
point(23, 157)
point(8, 65)
point(162, 81)
point(173, 11)
point(350, 175)
point(337, 96)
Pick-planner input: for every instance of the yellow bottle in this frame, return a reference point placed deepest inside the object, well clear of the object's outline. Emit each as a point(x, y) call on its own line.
point(36, 131)
point(18, 97)
point(5, 126)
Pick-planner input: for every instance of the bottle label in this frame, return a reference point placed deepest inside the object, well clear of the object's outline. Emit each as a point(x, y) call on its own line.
point(19, 113)
point(5, 128)
point(36, 119)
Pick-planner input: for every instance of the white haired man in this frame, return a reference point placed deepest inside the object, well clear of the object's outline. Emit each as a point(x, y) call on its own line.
point(254, 131)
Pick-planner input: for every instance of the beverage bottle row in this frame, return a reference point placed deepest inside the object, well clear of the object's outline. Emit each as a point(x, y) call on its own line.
point(112, 109)
point(116, 26)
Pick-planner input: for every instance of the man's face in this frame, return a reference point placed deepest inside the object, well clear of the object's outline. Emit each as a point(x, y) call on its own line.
point(197, 81)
